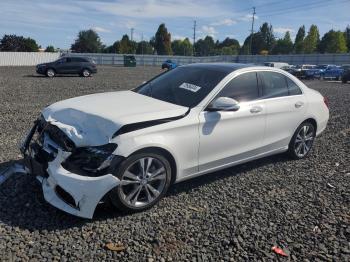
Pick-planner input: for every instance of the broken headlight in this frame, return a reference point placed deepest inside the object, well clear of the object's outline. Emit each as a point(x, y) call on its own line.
point(90, 159)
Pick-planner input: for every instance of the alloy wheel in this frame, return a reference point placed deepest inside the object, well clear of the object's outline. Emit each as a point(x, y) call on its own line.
point(304, 140)
point(143, 182)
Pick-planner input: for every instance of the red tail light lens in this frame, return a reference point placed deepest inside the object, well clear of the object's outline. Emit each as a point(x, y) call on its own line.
point(325, 100)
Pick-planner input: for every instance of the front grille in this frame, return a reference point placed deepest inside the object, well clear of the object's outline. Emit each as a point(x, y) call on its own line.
point(59, 137)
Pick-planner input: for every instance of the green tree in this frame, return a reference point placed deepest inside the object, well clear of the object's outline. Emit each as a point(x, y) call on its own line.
point(347, 36)
point(229, 50)
point(112, 49)
point(267, 36)
point(16, 43)
point(312, 40)
point(283, 45)
point(144, 47)
point(333, 42)
point(162, 41)
point(87, 41)
point(50, 49)
point(126, 46)
point(229, 46)
point(299, 41)
point(205, 47)
point(182, 47)
point(257, 45)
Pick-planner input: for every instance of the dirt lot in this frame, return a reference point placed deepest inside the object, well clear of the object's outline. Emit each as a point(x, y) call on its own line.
point(235, 214)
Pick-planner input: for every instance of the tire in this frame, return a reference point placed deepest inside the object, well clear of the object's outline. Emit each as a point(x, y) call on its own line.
point(85, 72)
point(139, 190)
point(321, 77)
point(344, 80)
point(50, 72)
point(302, 140)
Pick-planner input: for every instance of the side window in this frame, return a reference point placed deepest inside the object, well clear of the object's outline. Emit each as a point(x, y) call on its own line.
point(242, 88)
point(293, 88)
point(273, 84)
point(69, 60)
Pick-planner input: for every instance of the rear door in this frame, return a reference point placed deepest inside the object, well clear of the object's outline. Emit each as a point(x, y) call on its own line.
point(285, 108)
point(227, 136)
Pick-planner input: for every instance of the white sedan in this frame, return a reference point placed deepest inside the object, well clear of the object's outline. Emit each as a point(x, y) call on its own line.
point(131, 146)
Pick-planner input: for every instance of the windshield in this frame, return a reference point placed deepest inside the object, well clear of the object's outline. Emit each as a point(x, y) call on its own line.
point(322, 67)
point(184, 86)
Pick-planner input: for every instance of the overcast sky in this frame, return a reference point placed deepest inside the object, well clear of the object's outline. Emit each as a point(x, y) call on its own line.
point(58, 22)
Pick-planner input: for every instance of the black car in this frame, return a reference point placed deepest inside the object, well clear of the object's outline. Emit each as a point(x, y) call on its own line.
point(346, 73)
point(68, 65)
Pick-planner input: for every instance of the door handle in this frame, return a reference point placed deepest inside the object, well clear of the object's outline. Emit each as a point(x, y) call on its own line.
point(299, 104)
point(256, 109)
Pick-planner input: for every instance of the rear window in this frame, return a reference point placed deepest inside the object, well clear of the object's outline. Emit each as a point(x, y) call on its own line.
point(79, 59)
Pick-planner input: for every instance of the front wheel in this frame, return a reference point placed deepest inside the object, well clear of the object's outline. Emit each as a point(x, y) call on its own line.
point(144, 180)
point(302, 141)
point(344, 80)
point(50, 72)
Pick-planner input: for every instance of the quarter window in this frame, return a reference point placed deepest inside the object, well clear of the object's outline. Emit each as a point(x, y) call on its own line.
point(293, 88)
point(273, 84)
point(242, 88)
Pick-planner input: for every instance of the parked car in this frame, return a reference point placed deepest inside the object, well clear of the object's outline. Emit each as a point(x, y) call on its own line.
point(169, 64)
point(346, 73)
point(129, 61)
point(68, 65)
point(131, 146)
point(279, 65)
point(300, 71)
point(325, 71)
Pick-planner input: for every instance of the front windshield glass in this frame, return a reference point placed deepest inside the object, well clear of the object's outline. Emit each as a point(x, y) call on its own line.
point(184, 86)
point(322, 67)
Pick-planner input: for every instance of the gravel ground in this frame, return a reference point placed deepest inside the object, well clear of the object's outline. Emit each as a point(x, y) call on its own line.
point(232, 215)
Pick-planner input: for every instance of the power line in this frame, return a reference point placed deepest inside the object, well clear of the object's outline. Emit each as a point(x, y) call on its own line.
point(299, 8)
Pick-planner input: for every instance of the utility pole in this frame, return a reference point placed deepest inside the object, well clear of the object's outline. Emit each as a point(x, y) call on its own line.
point(131, 33)
point(252, 32)
point(194, 36)
point(143, 58)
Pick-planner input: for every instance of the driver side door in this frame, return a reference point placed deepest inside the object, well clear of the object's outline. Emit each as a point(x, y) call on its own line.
point(230, 136)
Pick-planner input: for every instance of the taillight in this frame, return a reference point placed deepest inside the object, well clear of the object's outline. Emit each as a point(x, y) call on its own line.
point(326, 101)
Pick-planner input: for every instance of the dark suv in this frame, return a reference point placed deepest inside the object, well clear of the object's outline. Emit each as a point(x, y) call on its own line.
point(68, 65)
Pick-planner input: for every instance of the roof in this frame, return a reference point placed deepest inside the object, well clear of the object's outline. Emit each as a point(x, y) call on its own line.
point(224, 67)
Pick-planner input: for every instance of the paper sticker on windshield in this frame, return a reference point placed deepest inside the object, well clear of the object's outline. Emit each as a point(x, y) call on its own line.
point(190, 87)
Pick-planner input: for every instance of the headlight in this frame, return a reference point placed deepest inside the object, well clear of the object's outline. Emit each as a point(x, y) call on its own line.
point(91, 159)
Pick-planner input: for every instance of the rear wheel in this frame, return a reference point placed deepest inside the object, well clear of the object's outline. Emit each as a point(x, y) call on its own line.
point(302, 141)
point(86, 73)
point(344, 80)
point(50, 72)
point(145, 178)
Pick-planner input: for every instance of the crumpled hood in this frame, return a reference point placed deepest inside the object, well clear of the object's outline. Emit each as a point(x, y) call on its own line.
point(93, 119)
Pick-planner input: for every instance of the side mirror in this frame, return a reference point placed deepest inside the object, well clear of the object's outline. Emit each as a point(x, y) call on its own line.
point(223, 104)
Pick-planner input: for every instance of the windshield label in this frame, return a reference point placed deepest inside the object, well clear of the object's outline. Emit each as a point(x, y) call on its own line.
point(190, 87)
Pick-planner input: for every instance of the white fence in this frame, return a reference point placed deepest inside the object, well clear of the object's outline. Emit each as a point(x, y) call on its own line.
point(26, 58)
point(29, 59)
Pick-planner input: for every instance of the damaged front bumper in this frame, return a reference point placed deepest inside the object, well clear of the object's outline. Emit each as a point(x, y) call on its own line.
point(71, 192)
